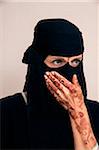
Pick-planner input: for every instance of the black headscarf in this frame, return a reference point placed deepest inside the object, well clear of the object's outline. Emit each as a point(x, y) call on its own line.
point(57, 37)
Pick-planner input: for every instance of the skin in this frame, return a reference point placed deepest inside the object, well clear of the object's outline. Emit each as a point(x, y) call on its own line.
point(59, 61)
point(70, 96)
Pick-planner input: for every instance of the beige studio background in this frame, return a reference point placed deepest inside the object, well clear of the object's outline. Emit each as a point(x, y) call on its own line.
point(17, 21)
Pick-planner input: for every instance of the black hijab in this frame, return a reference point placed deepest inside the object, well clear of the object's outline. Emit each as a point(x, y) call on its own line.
point(57, 37)
point(51, 37)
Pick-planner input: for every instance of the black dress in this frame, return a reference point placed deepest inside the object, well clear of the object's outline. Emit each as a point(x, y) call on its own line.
point(21, 128)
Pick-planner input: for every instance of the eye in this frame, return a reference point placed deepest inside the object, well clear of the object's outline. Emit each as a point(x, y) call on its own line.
point(75, 62)
point(57, 61)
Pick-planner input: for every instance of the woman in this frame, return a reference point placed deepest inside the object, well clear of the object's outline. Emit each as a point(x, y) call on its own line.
point(56, 112)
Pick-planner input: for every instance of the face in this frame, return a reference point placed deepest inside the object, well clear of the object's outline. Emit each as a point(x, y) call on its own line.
point(59, 61)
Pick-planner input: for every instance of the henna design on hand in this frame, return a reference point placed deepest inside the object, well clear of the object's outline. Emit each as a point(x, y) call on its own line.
point(70, 95)
point(81, 114)
point(85, 130)
point(51, 86)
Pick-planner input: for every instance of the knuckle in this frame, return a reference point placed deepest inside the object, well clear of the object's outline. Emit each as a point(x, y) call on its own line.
point(62, 81)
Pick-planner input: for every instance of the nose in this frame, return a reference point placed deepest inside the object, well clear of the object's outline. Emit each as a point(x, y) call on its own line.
point(66, 59)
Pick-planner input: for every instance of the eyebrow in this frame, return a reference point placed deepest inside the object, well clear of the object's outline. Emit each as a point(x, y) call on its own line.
point(64, 58)
point(59, 58)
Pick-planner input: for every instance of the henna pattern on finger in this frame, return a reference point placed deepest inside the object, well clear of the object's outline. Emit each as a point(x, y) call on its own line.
point(55, 81)
point(61, 87)
point(54, 92)
point(75, 103)
point(64, 90)
point(59, 98)
point(62, 80)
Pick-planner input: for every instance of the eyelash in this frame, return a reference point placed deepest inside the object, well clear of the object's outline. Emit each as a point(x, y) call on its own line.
point(58, 60)
point(76, 60)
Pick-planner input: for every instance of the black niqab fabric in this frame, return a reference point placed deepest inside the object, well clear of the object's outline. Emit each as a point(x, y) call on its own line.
point(48, 122)
point(55, 37)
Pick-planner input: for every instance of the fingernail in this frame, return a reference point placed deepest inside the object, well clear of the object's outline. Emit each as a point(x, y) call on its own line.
point(45, 77)
point(52, 72)
point(75, 76)
point(47, 73)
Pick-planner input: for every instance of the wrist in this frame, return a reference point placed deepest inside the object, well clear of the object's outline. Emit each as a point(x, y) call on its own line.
point(83, 126)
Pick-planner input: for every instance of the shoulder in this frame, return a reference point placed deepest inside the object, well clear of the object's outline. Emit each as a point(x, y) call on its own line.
point(93, 108)
point(93, 111)
point(11, 101)
point(12, 110)
point(90, 102)
point(92, 105)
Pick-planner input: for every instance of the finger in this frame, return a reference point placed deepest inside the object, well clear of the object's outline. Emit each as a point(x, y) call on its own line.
point(53, 88)
point(64, 98)
point(75, 80)
point(57, 83)
point(58, 98)
point(63, 80)
point(77, 85)
point(65, 91)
